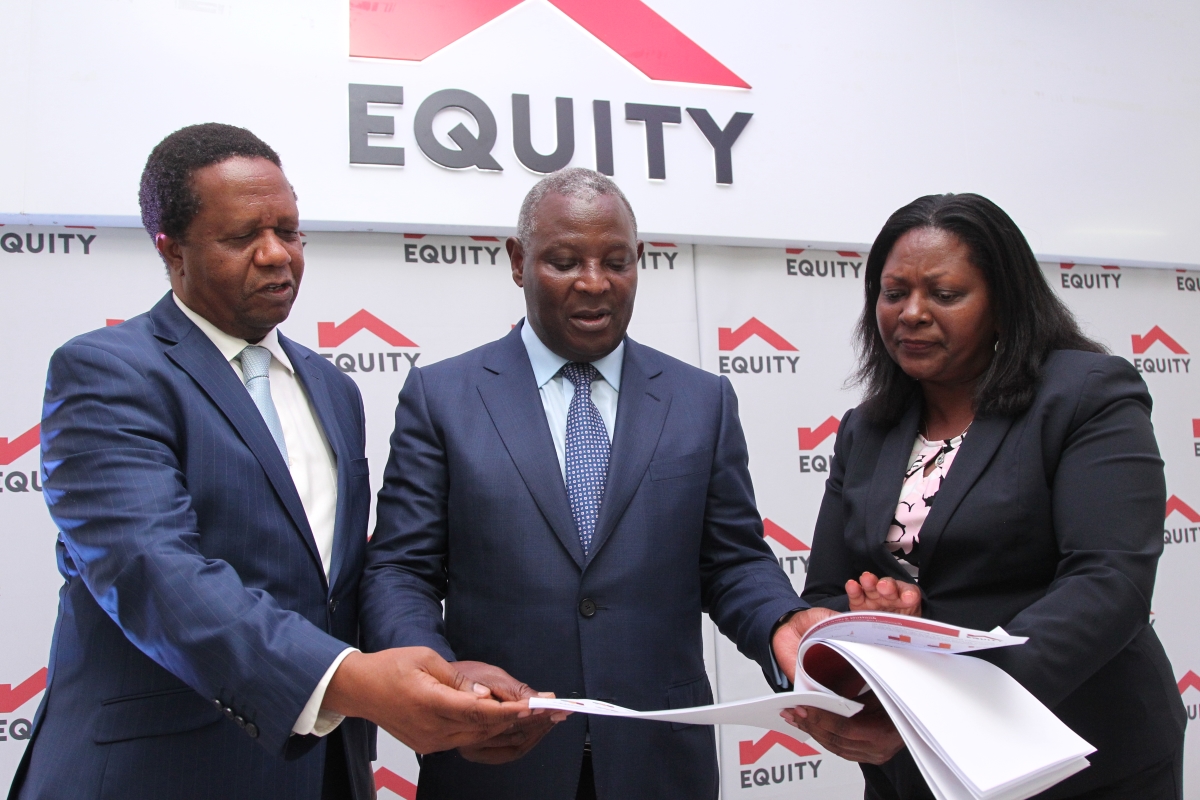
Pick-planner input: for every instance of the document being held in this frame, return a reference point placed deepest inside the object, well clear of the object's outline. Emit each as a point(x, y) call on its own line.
point(974, 732)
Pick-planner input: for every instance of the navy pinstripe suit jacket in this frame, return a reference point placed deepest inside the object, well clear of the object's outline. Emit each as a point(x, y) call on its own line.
point(474, 511)
point(195, 619)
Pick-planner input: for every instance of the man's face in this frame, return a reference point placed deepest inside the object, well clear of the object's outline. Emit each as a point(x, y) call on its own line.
point(240, 262)
point(579, 272)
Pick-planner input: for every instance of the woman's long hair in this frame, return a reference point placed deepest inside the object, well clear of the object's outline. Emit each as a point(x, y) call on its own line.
point(1030, 318)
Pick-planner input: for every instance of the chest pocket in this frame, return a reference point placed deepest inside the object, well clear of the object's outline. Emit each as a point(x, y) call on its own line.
point(692, 464)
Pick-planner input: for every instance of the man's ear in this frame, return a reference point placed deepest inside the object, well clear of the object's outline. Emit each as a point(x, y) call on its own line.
point(516, 259)
point(171, 251)
point(640, 248)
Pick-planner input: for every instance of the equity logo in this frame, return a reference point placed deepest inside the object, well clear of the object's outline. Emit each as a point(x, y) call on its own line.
point(1181, 535)
point(751, 752)
point(1196, 435)
point(13, 697)
point(839, 264)
point(1157, 335)
point(733, 338)
point(1190, 681)
point(413, 30)
point(810, 438)
point(10, 451)
point(775, 531)
point(1109, 277)
point(330, 334)
point(386, 779)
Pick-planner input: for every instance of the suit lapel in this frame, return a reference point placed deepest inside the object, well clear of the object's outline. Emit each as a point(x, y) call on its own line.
point(978, 447)
point(885, 489)
point(510, 394)
point(327, 416)
point(196, 355)
point(641, 411)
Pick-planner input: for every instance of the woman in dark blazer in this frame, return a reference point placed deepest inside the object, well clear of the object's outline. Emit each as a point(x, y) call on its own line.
point(1032, 491)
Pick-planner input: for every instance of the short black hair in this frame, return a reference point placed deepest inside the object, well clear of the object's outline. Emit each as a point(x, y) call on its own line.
point(1031, 320)
point(168, 201)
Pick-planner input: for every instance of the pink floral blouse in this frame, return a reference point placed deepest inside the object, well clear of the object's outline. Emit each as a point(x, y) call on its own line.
point(917, 496)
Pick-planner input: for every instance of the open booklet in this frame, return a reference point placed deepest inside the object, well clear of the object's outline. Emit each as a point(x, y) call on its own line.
point(974, 732)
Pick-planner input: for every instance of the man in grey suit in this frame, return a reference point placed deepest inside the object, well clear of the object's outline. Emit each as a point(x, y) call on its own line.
point(576, 499)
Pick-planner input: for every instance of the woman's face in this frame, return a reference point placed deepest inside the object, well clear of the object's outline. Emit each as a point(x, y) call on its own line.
point(934, 311)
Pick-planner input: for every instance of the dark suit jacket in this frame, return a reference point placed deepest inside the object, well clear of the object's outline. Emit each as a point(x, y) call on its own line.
point(195, 620)
point(1049, 524)
point(474, 511)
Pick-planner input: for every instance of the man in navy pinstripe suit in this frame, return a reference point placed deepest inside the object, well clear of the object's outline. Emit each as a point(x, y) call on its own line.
point(208, 481)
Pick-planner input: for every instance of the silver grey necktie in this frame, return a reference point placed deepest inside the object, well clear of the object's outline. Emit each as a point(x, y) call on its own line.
point(256, 361)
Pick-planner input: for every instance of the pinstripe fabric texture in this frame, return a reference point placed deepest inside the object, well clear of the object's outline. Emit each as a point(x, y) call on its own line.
point(191, 579)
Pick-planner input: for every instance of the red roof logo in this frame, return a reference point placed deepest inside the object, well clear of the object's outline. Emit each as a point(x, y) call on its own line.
point(330, 334)
point(750, 752)
point(811, 437)
point(1189, 681)
point(1156, 334)
point(1196, 428)
point(413, 30)
point(13, 697)
point(731, 339)
point(1175, 504)
point(10, 451)
point(773, 531)
point(386, 779)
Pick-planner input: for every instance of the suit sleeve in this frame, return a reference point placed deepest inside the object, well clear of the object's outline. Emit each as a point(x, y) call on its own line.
point(1108, 495)
point(405, 578)
point(117, 492)
point(829, 564)
point(744, 589)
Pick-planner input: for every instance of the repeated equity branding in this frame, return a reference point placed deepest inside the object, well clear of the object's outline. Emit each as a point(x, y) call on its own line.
point(787, 760)
point(655, 257)
point(1158, 361)
point(843, 264)
point(13, 698)
point(791, 543)
point(729, 339)
point(25, 478)
point(43, 243)
point(810, 439)
point(1077, 276)
point(332, 335)
point(400, 786)
point(1180, 513)
point(1196, 436)
point(411, 30)
point(1187, 283)
point(1190, 682)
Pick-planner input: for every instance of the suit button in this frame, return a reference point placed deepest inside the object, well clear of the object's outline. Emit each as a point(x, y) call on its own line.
point(251, 730)
point(228, 712)
point(333, 604)
point(241, 722)
point(587, 607)
point(217, 703)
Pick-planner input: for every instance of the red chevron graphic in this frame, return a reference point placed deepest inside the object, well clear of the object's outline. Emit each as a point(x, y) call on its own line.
point(108, 323)
point(386, 779)
point(811, 437)
point(11, 451)
point(13, 697)
point(331, 335)
point(750, 752)
point(413, 30)
point(732, 339)
point(1156, 334)
point(1196, 428)
point(1189, 681)
point(773, 531)
point(1175, 504)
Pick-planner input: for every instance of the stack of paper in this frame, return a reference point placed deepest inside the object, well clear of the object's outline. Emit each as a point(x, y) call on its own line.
point(974, 732)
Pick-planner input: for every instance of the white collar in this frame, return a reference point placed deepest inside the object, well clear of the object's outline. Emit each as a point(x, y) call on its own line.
point(546, 363)
point(231, 346)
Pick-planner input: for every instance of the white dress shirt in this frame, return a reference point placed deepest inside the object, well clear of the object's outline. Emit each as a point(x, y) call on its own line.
point(556, 391)
point(313, 467)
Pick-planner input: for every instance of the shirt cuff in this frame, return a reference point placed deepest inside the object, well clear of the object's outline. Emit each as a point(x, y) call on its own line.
point(315, 720)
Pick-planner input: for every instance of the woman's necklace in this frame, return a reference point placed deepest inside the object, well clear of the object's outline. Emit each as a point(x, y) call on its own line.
point(946, 446)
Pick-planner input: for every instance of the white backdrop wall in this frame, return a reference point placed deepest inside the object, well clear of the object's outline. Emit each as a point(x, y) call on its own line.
point(777, 321)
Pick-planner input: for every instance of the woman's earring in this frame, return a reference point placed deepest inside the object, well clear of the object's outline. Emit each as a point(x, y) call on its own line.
point(996, 346)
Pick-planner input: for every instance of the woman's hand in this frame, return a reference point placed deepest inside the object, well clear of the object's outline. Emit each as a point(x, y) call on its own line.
point(868, 737)
point(869, 593)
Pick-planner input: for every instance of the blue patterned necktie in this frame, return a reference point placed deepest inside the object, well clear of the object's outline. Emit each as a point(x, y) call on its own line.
point(587, 449)
point(256, 361)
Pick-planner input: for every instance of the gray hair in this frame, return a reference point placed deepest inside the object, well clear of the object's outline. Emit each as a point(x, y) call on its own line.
point(570, 182)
